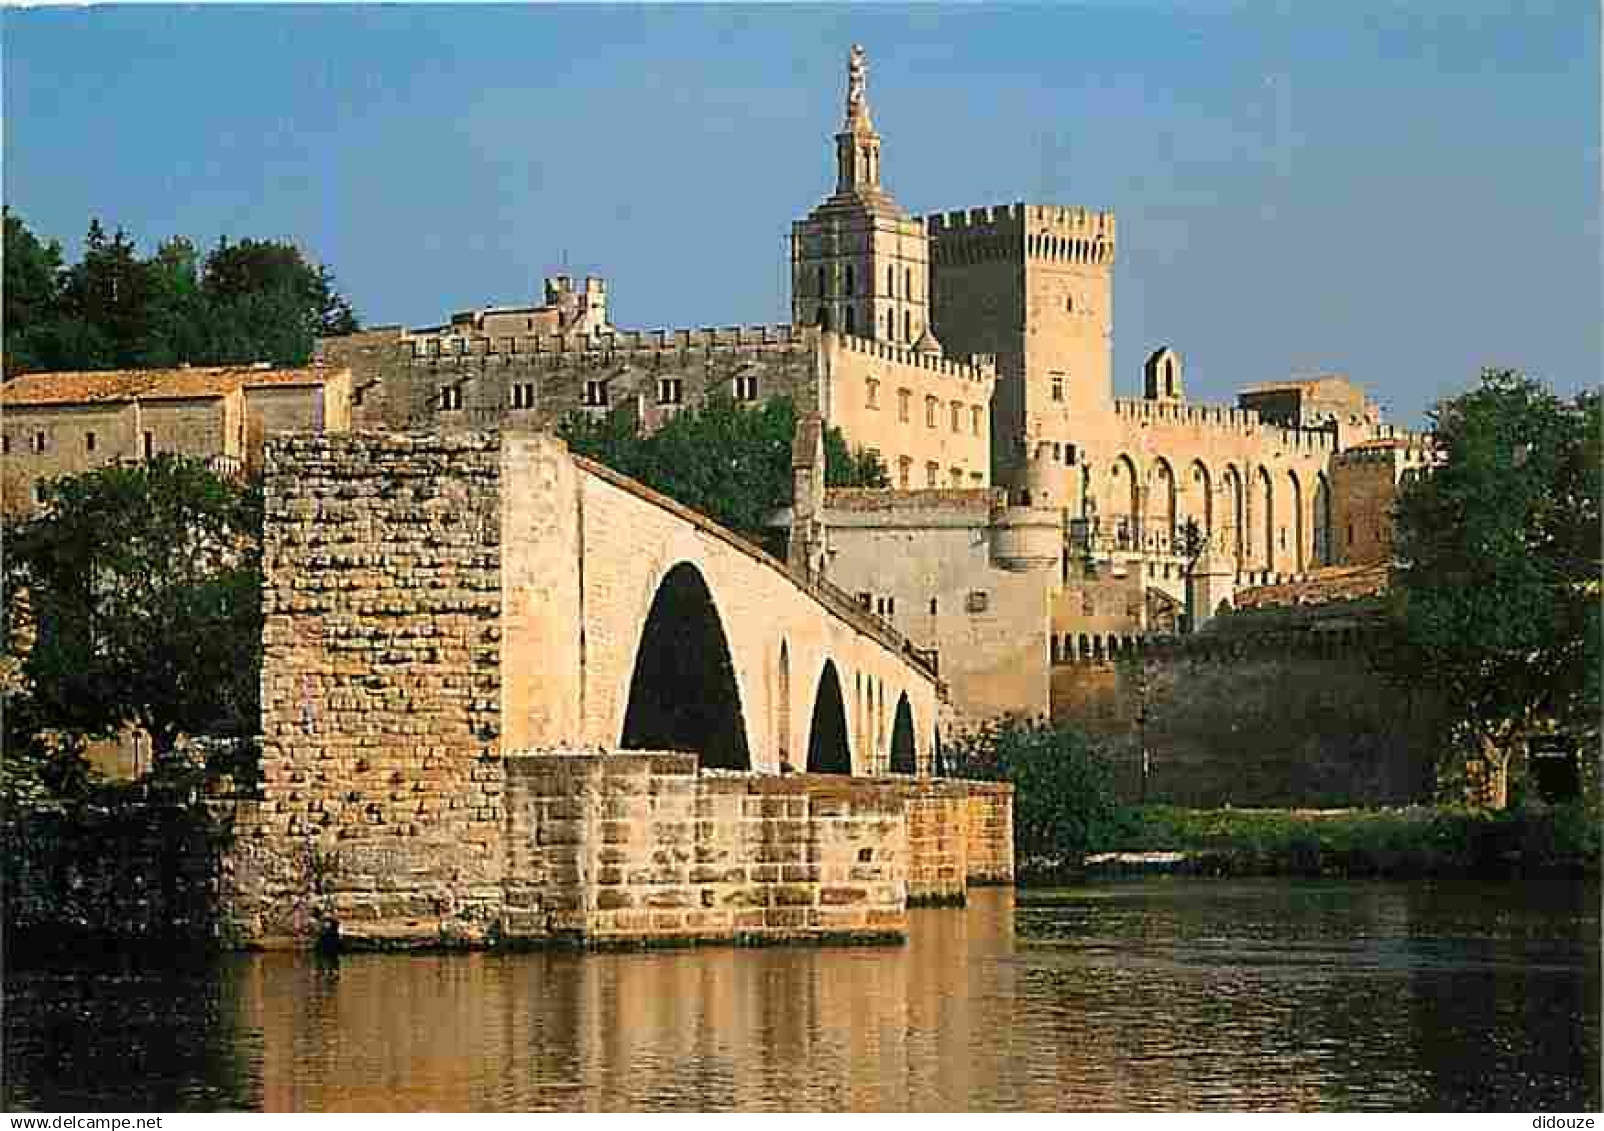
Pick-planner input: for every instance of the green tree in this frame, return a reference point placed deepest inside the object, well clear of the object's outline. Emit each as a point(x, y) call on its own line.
point(32, 297)
point(134, 596)
point(1497, 595)
point(1064, 804)
point(256, 300)
point(731, 463)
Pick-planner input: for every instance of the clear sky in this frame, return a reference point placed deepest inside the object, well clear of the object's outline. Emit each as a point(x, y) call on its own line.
point(1400, 192)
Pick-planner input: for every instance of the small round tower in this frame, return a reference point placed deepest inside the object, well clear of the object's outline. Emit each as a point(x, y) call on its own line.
point(1027, 532)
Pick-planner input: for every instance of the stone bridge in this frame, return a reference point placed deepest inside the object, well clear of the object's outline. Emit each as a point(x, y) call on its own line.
point(632, 622)
point(463, 595)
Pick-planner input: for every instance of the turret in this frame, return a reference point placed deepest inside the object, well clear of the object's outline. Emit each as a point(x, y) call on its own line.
point(1028, 532)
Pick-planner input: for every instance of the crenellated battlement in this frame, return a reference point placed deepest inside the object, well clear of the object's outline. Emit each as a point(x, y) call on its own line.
point(619, 341)
point(1042, 231)
point(981, 373)
point(1244, 421)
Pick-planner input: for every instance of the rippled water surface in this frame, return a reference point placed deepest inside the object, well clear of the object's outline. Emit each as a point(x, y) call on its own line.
point(1158, 994)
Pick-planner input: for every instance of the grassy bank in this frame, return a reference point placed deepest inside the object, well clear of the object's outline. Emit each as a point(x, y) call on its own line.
point(1411, 842)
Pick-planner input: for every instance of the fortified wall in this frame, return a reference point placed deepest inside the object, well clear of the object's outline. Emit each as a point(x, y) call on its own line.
point(1271, 707)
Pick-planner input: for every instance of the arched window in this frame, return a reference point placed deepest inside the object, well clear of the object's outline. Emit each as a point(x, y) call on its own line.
point(907, 326)
point(891, 280)
point(907, 282)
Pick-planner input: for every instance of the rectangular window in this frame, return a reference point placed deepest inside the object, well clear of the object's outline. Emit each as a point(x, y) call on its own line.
point(5, 445)
point(904, 403)
point(670, 390)
point(746, 387)
point(595, 394)
point(977, 601)
point(904, 473)
point(523, 395)
point(150, 445)
point(932, 606)
point(930, 412)
point(976, 478)
point(40, 442)
point(89, 441)
point(957, 476)
point(1058, 387)
point(932, 474)
point(39, 493)
point(957, 417)
point(974, 420)
point(873, 389)
point(866, 600)
point(450, 398)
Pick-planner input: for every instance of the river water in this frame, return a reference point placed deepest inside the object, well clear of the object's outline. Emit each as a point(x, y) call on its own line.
point(1153, 994)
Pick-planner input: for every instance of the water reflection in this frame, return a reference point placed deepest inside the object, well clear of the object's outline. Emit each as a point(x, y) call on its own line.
point(1156, 995)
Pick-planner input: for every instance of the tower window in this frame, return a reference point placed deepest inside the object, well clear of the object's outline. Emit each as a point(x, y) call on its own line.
point(1069, 303)
point(907, 282)
point(904, 399)
point(907, 326)
point(523, 395)
point(746, 386)
point(905, 472)
point(40, 442)
point(932, 474)
point(930, 412)
point(670, 391)
point(932, 606)
point(1058, 387)
point(957, 417)
point(150, 448)
point(450, 398)
point(821, 285)
point(974, 420)
point(852, 321)
point(89, 441)
point(872, 388)
point(956, 475)
point(595, 394)
point(891, 281)
point(850, 280)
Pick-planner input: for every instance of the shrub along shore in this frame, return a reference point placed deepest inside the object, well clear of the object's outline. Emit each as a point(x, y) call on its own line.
point(1409, 843)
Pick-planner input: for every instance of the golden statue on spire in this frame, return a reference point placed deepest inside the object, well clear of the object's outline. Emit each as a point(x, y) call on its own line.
point(857, 81)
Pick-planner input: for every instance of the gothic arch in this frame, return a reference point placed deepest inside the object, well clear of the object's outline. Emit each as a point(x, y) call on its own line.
point(1234, 536)
point(683, 693)
point(1264, 500)
point(1201, 508)
point(1299, 558)
point(1125, 491)
point(828, 749)
point(1163, 477)
point(903, 760)
point(1322, 520)
point(782, 706)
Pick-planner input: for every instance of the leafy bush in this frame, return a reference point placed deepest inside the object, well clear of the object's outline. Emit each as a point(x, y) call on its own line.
point(1064, 804)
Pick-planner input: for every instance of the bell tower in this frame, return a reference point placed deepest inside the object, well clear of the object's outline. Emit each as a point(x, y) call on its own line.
point(860, 265)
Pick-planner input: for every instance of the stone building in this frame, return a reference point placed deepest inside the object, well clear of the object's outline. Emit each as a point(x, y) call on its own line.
point(57, 424)
point(972, 350)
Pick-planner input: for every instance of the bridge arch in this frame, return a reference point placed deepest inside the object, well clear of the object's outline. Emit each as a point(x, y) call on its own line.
point(903, 759)
point(683, 693)
point(829, 751)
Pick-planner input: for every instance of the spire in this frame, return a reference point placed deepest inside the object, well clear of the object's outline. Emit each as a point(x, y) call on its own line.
point(857, 146)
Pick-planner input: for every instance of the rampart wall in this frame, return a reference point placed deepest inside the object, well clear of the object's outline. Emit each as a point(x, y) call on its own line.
point(1276, 716)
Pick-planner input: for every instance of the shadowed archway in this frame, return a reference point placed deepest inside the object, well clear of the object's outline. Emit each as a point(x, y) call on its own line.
point(683, 695)
point(902, 756)
point(828, 752)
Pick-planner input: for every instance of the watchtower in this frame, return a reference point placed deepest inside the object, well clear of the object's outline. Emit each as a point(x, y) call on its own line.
point(1033, 284)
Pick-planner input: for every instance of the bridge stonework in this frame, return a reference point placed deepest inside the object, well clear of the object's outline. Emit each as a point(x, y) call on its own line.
point(454, 635)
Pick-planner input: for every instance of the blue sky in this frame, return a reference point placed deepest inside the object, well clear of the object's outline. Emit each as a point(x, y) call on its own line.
point(1401, 192)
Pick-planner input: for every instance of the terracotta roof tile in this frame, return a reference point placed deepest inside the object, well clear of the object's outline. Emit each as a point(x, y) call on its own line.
point(90, 387)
